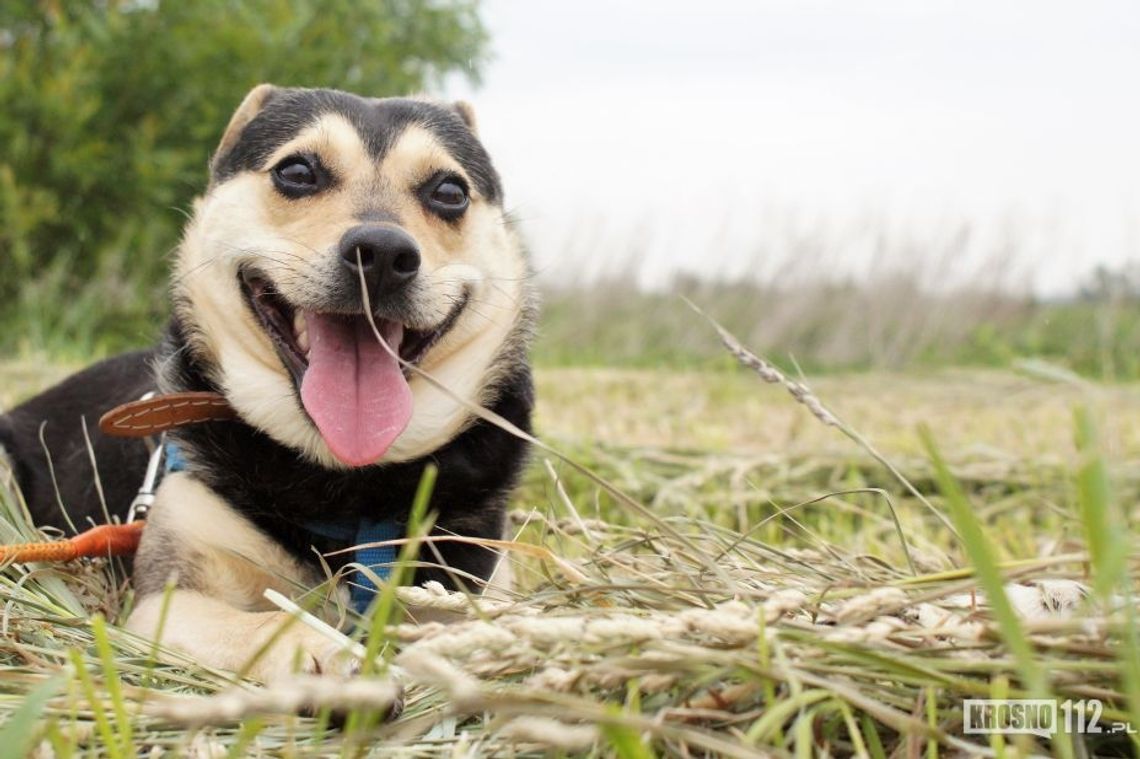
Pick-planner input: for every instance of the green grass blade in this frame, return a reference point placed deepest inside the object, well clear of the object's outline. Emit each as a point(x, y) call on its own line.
point(1105, 531)
point(626, 741)
point(985, 562)
point(19, 732)
point(773, 718)
point(804, 735)
point(1129, 655)
point(981, 555)
point(111, 676)
point(874, 742)
point(932, 720)
point(102, 724)
point(385, 611)
point(857, 742)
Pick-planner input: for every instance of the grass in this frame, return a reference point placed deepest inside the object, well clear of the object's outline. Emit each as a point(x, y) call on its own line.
point(895, 321)
point(761, 602)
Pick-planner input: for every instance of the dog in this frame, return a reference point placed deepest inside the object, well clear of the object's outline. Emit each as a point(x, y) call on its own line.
point(323, 209)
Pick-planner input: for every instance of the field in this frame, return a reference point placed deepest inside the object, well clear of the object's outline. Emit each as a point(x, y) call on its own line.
point(709, 558)
point(709, 570)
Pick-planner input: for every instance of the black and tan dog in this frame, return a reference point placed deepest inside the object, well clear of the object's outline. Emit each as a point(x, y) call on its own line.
point(319, 202)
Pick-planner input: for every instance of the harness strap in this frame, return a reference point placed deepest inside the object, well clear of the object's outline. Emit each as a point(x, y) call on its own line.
point(365, 534)
point(379, 558)
point(175, 461)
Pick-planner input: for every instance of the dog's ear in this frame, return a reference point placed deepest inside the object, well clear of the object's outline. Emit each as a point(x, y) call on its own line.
point(466, 112)
point(250, 106)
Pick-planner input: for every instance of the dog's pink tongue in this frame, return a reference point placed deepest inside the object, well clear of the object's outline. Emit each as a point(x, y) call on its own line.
point(354, 390)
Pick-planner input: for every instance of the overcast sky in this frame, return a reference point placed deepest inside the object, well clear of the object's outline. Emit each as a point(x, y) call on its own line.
point(697, 139)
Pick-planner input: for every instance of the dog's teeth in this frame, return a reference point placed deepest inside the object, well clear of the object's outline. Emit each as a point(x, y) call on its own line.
point(301, 333)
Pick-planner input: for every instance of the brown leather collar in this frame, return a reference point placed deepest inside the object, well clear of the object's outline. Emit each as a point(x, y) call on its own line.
point(159, 413)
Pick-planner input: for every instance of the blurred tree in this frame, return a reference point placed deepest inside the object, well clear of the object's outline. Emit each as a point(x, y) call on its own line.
point(111, 110)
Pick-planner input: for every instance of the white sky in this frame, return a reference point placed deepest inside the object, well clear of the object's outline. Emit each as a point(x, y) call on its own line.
point(695, 139)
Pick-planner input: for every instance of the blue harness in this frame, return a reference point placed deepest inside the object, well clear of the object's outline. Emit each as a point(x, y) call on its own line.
point(379, 559)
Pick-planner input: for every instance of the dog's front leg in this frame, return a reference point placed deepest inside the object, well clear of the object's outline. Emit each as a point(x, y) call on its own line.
point(265, 645)
point(219, 565)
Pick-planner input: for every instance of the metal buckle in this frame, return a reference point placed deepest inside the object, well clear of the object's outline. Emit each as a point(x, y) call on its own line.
point(145, 497)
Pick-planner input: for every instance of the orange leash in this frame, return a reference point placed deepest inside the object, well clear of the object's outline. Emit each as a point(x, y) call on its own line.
point(141, 418)
point(102, 541)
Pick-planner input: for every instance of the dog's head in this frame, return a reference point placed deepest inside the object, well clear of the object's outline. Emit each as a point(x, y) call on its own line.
point(324, 205)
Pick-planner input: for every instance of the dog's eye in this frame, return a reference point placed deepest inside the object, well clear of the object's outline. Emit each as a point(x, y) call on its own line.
point(448, 197)
point(297, 175)
point(450, 193)
point(297, 172)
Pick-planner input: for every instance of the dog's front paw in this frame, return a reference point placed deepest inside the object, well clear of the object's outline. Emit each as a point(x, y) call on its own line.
point(304, 652)
point(307, 653)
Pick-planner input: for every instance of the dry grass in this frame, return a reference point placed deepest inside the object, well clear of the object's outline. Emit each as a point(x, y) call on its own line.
point(763, 605)
point(988, 412)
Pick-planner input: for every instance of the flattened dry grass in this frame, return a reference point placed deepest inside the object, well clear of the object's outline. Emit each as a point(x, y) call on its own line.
point(764, 604)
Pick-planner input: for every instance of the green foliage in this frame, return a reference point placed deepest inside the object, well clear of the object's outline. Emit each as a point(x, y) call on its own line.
point(112, 109)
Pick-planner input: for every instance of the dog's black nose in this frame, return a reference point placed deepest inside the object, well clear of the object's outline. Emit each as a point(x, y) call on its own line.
point(387, 256)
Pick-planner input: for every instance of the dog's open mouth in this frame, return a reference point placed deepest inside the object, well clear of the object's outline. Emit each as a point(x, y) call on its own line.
point(288, 327)
point(352, 386)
